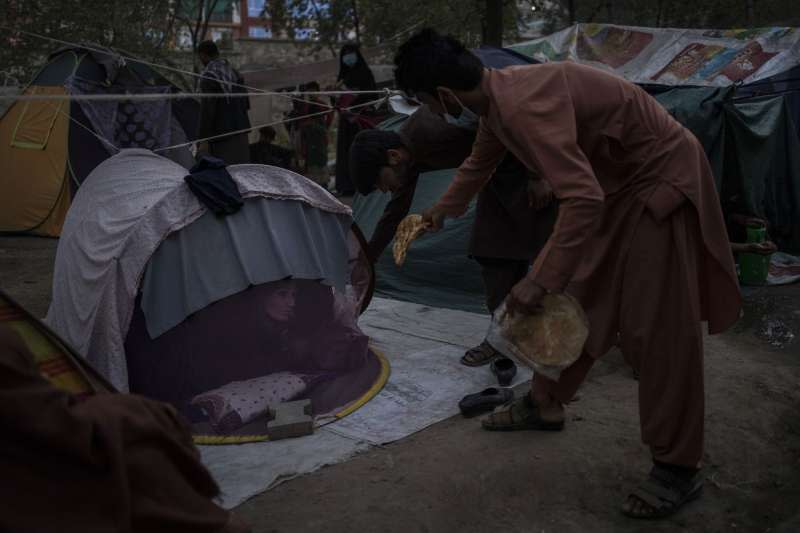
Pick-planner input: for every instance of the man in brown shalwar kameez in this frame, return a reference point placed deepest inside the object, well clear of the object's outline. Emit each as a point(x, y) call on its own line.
point(639, 240)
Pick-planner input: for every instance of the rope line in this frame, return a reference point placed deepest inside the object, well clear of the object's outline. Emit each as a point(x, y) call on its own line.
point(84, 126)
point(109, 51)
point(179, 96)
point(274, 123)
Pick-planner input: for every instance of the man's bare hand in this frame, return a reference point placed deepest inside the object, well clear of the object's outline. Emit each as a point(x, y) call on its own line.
point(525, 298)
point(540, 193)
point(764, 248)
point(433, 219)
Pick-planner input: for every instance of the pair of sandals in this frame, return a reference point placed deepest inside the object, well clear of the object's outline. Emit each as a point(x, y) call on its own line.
point(502, 367)
point(484, 354)
point(660, 495)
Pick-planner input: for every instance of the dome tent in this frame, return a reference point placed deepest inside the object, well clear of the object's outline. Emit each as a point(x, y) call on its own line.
point(50, 146)
point(168, 300)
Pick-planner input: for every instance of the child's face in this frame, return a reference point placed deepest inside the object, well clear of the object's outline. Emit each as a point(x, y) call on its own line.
point(279, 305)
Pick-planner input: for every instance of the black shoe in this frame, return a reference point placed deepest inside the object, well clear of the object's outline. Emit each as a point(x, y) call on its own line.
point(505, 370)
point(484, 401)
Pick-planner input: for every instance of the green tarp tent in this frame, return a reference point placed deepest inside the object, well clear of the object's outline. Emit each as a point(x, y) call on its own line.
point(754, 150)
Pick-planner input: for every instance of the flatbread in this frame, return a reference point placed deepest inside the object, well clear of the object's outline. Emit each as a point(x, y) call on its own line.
point(552, 337)
point(409, 229)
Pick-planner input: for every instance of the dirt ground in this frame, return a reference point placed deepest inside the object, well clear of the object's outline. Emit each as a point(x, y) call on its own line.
point(456, 477)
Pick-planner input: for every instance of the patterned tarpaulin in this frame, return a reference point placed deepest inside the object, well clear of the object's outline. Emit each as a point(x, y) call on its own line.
point(673, 56)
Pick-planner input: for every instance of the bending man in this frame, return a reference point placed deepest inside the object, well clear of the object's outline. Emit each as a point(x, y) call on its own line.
point(639, 239)
point(508, 229)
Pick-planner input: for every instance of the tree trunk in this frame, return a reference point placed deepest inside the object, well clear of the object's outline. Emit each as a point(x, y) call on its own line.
point(571, 11)
point(356, 23)
point(493, 34)
point(211, 6)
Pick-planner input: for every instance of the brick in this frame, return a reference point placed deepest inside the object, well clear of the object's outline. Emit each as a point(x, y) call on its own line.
point(290, 419)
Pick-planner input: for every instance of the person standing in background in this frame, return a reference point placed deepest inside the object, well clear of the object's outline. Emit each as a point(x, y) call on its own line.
point(314, 135)
point(355, 75)
point(221, 115)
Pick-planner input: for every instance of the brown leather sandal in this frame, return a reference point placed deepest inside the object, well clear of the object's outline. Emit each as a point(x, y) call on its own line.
point(522, 413)
point(662, 493)
point(480, 355)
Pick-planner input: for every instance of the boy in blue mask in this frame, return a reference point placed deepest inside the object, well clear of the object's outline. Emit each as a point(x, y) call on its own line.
point(513, 216)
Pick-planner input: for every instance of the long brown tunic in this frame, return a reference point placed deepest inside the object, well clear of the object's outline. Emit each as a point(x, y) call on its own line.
point(609, 151)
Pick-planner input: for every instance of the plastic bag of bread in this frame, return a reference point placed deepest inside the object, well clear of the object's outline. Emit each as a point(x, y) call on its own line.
point(547, 341)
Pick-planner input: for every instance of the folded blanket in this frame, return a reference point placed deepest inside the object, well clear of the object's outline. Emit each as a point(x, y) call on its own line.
point(240, 402)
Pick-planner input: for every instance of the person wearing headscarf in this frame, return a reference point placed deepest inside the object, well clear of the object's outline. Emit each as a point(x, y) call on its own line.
point(221, 115)
point(355, 75)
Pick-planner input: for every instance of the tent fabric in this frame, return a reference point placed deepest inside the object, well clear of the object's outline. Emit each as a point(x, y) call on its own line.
point(673, 56)
point(128, 124)
point(754, 151)
point(183, 278)
point(121, 214)
point(33, 144)
point(51, 146)
point(235, 344)
point(56, 361)
point(35, 124)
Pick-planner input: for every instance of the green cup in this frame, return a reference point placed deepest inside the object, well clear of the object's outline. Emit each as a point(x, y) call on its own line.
point(756, 233)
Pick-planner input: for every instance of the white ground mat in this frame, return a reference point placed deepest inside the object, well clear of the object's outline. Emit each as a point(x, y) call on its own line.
point(423, 346)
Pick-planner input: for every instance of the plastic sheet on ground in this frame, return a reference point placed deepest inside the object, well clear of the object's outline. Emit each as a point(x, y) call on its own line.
point(423, 345)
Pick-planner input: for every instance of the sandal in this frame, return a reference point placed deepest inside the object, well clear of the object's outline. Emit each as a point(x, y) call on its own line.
point(480, 355)
point(522, 413)
point(484, 401)
point(662, 493)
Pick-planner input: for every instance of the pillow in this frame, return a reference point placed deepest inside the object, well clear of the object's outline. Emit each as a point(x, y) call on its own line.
point(240, 402)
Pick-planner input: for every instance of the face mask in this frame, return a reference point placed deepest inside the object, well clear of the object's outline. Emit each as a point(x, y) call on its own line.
point(350, 59)
point(467, 119)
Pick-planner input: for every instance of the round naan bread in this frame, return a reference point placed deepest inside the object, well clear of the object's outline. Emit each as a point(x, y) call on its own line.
point(554, 336)
point(409, 229)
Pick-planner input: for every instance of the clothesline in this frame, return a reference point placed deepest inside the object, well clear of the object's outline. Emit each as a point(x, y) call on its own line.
point(254, 92)
point(179, 96)
point(84, 126)
point(274, 123)
point(137, 60)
